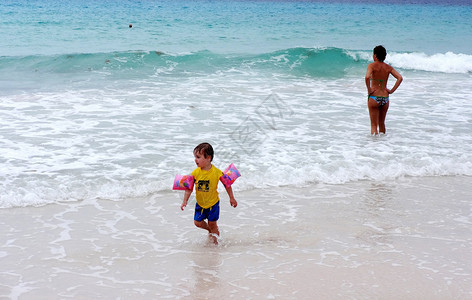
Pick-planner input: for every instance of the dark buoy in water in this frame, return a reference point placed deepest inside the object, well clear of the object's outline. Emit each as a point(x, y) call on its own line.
point(130, 25)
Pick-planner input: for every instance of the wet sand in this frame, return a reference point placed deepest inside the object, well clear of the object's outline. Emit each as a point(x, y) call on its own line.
point(405, 239)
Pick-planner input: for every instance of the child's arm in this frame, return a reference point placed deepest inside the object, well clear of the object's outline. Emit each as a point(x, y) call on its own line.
point(186, 196)
point(232, 201)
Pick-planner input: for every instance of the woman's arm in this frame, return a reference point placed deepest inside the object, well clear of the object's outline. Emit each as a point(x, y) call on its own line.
point(368, 76)
point(397, 83)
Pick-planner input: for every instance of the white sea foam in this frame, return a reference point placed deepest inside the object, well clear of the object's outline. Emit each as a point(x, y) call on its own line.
point(448, 62)
point(441, 62)
point(130, 140)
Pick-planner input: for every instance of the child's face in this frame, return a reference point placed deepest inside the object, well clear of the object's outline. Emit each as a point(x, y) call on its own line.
point(202, 161)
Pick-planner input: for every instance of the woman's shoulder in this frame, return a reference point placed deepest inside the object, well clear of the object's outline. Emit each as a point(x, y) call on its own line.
point(385, 66)
point(389, 67)
point(382, 68)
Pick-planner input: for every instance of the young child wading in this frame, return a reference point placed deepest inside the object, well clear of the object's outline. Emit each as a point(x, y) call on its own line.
point(206, 183)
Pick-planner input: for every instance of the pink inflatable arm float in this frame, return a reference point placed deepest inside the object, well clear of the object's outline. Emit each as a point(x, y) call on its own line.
point(229, 175)
point(183, 182)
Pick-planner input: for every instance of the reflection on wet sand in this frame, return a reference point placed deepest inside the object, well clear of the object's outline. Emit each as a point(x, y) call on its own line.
point(206, 263)
point(376, 214)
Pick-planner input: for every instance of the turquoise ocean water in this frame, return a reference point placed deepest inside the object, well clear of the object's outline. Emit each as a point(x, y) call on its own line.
point(93, 108)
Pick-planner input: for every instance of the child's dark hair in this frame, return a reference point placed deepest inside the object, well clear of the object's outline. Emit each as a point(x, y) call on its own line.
point(380, 52)
point(206, 149)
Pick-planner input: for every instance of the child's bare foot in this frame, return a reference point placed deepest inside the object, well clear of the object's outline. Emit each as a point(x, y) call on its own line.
point(213, 238)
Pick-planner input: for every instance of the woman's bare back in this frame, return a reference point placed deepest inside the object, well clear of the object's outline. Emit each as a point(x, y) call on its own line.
point(379, 73)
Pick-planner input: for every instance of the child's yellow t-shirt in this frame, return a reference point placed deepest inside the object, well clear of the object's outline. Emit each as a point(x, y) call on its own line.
point(206, 184)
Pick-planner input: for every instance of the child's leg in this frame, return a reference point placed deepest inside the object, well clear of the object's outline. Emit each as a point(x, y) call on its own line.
point(202, 224)
point(214, 231)
point(213, 217)
point(212, 214)
point(214, 227)
point(200, 216)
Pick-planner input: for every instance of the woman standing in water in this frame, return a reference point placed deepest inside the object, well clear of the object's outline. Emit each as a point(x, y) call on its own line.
point(376, 83)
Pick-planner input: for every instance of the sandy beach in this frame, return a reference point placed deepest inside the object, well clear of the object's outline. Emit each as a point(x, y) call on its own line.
point(97, 118)
point(407, 239)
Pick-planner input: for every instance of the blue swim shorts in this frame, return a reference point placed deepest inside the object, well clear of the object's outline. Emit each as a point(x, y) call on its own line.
point(211, 213)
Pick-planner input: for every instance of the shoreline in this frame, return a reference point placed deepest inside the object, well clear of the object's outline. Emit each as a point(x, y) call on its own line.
point(409, 238)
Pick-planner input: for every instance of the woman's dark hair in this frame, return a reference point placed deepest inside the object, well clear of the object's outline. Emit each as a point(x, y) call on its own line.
point(206, 149)
point(380, 52)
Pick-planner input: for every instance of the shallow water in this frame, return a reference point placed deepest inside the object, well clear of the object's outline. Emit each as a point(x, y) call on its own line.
point(122, 142)
point(100, 110)
point(407, 239)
